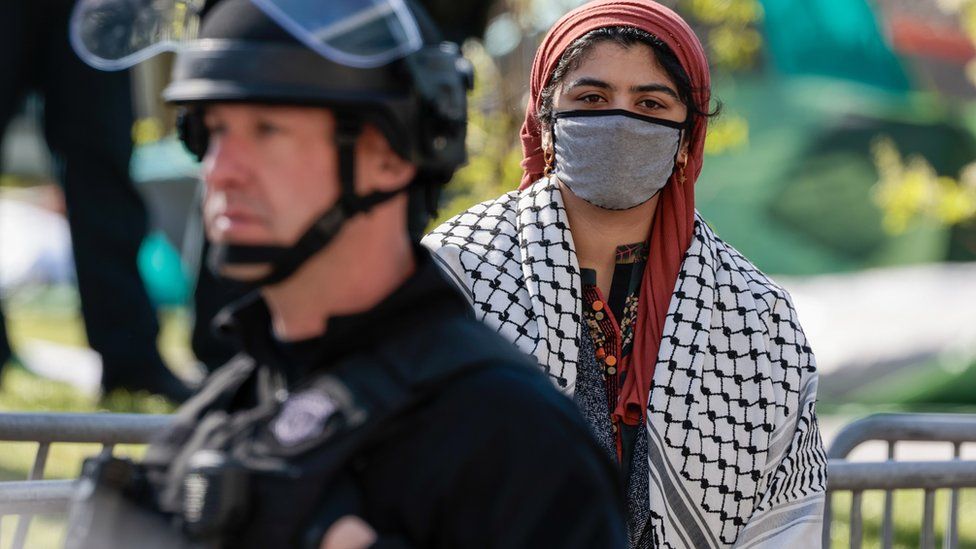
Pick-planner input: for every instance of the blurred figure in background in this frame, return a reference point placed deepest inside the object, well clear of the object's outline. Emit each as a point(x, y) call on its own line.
point(87, 125)
point(688, 362)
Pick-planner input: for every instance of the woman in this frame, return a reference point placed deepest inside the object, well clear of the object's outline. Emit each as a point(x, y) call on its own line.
point(687, 361)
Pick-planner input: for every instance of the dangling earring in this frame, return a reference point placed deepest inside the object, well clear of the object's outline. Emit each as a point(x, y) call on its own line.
point(549, 157)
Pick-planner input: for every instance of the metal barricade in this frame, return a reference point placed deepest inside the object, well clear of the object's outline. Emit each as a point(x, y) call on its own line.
point(891, 475)
point(35, 496)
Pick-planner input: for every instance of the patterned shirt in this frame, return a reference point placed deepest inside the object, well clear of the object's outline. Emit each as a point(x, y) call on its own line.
point(610, 321)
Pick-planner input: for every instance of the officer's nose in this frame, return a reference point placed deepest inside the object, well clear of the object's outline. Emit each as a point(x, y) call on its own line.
point(225, 164)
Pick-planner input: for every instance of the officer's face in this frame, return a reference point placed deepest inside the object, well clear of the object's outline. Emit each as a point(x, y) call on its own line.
point(269, 171)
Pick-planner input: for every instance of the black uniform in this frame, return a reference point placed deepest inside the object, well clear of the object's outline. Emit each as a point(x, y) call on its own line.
point(480, 451)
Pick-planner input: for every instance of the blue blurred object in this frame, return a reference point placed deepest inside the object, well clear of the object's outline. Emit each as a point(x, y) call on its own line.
point(162, 271)
point(836, 38)
point(166, 176)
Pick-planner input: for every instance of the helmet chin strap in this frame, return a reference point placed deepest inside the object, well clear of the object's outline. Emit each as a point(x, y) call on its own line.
point(285, 260)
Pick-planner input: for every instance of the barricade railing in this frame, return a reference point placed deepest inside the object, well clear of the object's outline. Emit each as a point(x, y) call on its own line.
point(35, 496)
point(891, 475)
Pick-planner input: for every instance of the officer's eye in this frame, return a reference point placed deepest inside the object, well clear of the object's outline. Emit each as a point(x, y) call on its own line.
point(215, 128)
point(265, 128)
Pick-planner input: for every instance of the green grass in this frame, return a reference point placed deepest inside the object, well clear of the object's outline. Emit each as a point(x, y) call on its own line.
point(907, 513)
point(939, 385)
point(44, 532)
point(50, 316)
point(22, 391)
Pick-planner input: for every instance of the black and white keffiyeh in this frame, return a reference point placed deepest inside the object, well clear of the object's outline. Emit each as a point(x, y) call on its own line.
point(734, 456)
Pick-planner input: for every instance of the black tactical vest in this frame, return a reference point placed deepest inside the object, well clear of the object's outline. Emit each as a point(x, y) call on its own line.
point(278, 473)
point(265, 454)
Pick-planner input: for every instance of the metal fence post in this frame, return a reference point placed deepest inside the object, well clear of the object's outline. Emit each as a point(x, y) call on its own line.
point(37, 496)
point(892, 475)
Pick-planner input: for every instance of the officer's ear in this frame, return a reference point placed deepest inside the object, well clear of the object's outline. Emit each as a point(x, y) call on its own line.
point(381, 168)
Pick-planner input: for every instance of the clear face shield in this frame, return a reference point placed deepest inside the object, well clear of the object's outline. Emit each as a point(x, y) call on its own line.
point(117, 34)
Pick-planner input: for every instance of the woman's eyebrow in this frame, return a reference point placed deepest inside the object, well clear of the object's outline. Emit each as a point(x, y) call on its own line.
point(593, 82)
point(644, 88)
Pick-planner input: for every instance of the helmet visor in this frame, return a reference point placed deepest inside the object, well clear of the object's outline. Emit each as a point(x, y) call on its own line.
point(116, 34)
point(356, 33)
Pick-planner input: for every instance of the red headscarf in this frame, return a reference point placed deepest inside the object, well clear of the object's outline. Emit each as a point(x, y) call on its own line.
point(674, 218)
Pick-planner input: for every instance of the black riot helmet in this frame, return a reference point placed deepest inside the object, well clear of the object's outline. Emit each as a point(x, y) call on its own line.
point(377, 62)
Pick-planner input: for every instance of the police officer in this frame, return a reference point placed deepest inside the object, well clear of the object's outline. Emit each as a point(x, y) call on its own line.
point(458, 21)
point(368, 408)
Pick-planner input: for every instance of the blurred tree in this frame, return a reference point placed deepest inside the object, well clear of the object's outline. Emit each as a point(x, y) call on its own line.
point(909, 190)
point(729, 30)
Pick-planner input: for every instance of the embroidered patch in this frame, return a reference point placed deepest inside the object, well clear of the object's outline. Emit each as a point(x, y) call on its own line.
point(303, 417)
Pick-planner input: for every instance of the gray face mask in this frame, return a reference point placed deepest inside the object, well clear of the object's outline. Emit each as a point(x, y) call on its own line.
point(614, 159)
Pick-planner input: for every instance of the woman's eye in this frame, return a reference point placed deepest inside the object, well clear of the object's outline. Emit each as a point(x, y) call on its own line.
point(591, 98)
point(651, 104)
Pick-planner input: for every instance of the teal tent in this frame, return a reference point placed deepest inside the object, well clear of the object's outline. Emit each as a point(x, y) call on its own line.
point(834, 38)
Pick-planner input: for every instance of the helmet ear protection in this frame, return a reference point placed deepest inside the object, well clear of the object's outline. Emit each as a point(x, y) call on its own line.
point(192, 131)
point(442, 77)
